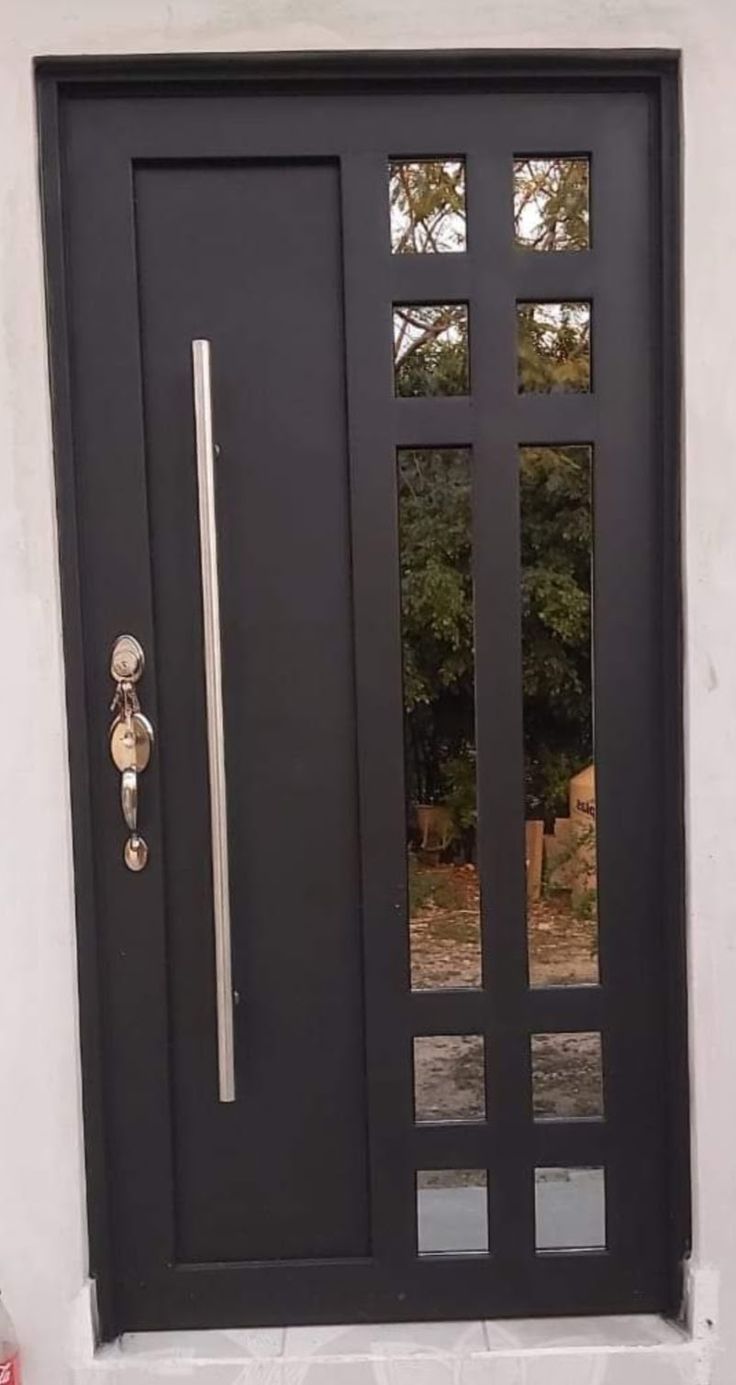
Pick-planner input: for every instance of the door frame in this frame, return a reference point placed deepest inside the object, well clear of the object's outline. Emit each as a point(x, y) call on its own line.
point(653, 71)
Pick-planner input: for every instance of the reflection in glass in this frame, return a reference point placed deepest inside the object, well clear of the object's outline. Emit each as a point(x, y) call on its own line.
point(552, 203)
point(439, 715)
point(554, 348)
point(449, 1077)
point(427, 206)
point(452, 1211)
point(430, 349)
point(567, 1076)
point(570, 1206)
point(556, 554)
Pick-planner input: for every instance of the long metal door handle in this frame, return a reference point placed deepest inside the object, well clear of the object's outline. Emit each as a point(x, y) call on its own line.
point(215, 720)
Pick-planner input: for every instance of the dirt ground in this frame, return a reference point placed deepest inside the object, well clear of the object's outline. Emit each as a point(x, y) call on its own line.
point(445, 927)
point(445, 953)
point(563, 949)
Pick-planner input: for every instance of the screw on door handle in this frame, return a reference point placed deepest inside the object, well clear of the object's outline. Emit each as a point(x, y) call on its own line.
point(131, 741)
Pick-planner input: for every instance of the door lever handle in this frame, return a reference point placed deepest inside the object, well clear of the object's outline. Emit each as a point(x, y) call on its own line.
point(129, 798)
point(131, 741)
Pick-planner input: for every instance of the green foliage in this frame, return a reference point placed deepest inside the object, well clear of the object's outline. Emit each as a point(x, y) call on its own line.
point(551, 203)
point(437, 617)
point(460, 794)
point(427, 205)
point(431, 349)
point(554, 348)
point(436, 582)
point(556, 537)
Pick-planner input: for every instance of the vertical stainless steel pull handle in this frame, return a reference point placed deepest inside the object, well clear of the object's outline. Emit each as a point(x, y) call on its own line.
point(215, 720)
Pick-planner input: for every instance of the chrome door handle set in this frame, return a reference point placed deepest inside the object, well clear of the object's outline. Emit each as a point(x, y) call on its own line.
point(131, 741)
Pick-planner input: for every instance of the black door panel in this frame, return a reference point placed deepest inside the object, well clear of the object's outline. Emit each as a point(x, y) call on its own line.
point(249, 257)
point(258, 217)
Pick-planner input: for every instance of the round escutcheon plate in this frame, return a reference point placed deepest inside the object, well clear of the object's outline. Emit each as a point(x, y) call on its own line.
point(135, 852)
point(127, 659)
point(131, 742)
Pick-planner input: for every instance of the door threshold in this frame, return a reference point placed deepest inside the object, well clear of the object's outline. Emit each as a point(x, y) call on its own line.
point(464, 1353)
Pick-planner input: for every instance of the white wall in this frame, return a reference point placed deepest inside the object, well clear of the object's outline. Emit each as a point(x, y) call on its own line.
point(42, 1236)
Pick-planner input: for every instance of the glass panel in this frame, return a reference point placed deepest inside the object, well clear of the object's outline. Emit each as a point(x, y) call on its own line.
point(439, 715)
point(552, 203)
point(449, 1077)
point(452, 1211)
point(567, 1075)
point(427, 206)
point(570, 1206)
point(559, 769)
point(554, 348)
point(430, 349)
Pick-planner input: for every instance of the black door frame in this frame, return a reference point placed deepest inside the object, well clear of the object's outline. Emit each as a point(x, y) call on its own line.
point(655, 72)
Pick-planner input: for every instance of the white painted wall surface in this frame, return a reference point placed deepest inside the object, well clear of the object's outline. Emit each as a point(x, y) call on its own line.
point(42, 1231)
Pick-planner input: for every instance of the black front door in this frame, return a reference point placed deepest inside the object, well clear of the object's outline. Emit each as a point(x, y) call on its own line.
point(431, 851)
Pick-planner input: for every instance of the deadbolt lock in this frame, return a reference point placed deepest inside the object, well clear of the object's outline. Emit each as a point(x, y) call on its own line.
point(128, 660)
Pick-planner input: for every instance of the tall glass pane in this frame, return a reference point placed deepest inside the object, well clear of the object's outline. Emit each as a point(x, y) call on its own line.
point(439, 710)
point(556, 551)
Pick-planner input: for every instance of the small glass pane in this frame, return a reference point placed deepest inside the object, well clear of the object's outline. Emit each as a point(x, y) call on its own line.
point(449, 1077)
point(567, 1076)
point(427, 206)
point(430, 349)
point(570, 1207)
point(559, 768)
point(552, 203)
point(452, 1211)
point(435, 501)
point(554, 348)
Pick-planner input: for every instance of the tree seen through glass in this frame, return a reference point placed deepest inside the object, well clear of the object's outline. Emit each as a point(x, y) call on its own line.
point(556, 517)
point(427, 199)
point(552, 203)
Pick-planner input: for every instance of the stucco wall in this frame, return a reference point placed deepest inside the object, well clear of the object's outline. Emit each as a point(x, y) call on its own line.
point(42, 1234)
